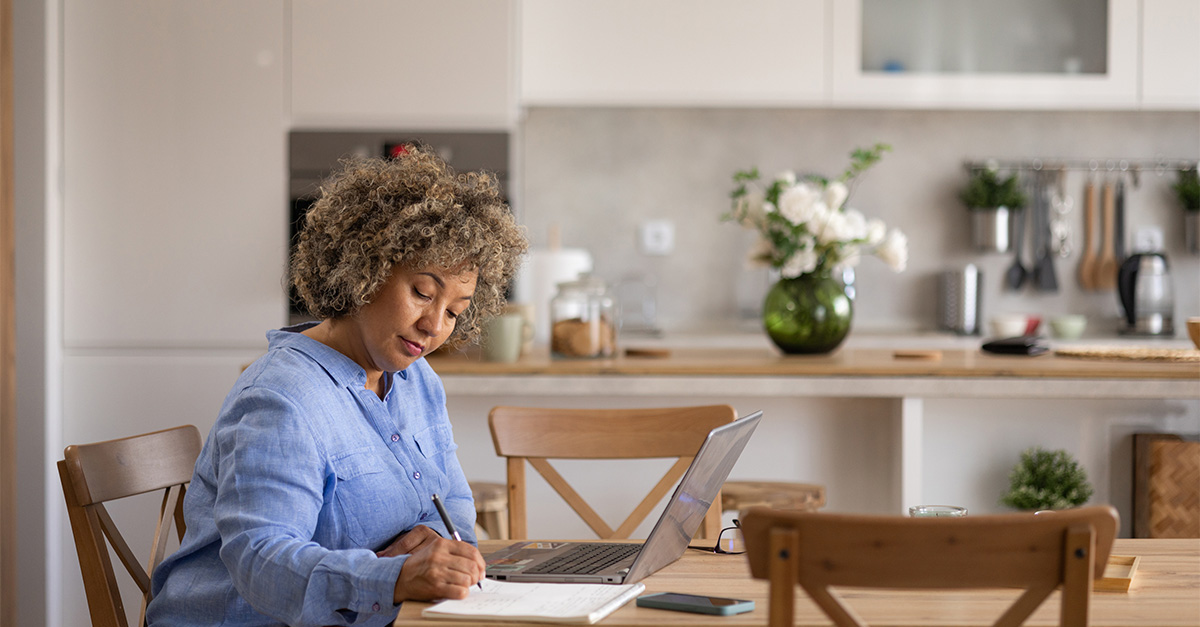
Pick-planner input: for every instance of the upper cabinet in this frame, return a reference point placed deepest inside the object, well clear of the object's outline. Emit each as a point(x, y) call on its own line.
point(1171, 54)
point(1017, 54)
point(673, 52)
point(402, 63)
point(174, 218)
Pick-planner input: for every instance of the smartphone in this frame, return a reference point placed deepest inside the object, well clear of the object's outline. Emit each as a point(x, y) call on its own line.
point(695, 603)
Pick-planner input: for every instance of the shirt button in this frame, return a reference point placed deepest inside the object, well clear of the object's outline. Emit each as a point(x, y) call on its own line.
point(417, 475)
point(375, 607)
point(395, 437)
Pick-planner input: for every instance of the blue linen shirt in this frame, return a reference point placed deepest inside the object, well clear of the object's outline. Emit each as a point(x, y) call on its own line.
point(305, 475)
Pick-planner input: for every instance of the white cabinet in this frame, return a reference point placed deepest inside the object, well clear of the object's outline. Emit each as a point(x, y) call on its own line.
point(405, 64)
point(1171, 54)
point(1020, 54)
point(174, 191)
point(673, 52)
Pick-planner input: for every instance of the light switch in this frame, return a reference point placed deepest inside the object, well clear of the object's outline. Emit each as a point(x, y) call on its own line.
point(657, 237)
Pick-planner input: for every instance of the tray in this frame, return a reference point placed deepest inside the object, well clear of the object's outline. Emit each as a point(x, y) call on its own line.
point(1118, 574)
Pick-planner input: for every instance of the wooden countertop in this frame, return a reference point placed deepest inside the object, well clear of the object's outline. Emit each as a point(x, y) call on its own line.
point(847, 362)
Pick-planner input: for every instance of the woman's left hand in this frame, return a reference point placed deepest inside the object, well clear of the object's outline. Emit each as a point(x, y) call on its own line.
point(409, 541)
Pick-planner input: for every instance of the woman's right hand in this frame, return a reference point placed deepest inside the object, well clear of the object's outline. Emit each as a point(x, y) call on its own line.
point(439, 568)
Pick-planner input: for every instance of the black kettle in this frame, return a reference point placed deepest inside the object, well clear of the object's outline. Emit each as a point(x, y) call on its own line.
point(1144, 286)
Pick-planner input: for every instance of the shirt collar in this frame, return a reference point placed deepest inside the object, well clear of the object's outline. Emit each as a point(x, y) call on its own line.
point(343, 369)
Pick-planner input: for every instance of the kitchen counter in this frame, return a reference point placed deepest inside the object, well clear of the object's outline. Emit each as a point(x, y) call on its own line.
point(864, 362)
point(857, 372)
point(881, 430)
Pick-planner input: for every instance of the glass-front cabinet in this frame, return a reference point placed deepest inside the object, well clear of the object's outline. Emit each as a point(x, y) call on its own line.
point(1077, 54)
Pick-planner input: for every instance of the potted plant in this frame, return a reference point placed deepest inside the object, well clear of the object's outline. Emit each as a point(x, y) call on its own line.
point(1187, 188)
point(992, 201)
point(1046, 480)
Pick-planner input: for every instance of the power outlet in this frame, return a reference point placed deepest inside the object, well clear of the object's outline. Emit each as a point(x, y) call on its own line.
point(657, 237)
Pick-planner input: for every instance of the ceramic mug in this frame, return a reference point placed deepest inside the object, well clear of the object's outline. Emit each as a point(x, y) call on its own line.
point(503, 337)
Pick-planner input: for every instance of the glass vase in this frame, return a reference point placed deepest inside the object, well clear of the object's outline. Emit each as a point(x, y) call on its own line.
point(809, 314)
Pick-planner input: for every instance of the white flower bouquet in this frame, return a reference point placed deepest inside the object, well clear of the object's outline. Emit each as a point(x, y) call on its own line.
point(803, 223)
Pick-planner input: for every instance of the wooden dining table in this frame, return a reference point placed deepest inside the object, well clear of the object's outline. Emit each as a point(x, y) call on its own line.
point(1164, 592)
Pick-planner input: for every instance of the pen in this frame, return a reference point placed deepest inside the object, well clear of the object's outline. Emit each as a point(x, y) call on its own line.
point(449, 525)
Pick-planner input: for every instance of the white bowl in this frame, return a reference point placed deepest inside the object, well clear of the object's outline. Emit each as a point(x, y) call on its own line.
point(1008, 325)
point(1068, 327)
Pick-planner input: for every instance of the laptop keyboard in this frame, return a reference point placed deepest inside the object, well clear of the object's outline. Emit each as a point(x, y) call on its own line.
point(587, 559)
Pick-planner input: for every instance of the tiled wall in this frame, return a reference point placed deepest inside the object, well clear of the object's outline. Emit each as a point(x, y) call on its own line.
point(598, 172)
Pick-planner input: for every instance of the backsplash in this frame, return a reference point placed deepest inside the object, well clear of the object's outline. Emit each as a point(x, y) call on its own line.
point(597, 173)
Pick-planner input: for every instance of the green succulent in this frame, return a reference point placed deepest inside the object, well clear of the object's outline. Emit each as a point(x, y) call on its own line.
point(1187, 187)
point(1047, 480)
point(986, 190)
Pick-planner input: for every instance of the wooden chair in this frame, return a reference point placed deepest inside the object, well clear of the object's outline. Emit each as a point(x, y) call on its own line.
point(93, 474)
point(1037, 553)
point(538, 434)
point(739, 495)
point(491, 508)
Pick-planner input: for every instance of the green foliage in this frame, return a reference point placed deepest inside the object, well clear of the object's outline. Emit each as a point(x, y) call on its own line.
point(986, 190)
point(861, 159)
point(1047, 480)
point(1188, 189)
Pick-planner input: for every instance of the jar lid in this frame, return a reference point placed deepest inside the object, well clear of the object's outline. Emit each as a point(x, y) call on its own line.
point(585, 283)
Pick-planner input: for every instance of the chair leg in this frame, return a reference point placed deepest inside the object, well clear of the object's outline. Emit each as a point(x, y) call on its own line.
point(783, 571)
point(1078, 573)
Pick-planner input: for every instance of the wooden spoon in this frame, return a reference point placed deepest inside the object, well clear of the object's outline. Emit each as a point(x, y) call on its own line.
point(1106, 267)
point(1087, 262)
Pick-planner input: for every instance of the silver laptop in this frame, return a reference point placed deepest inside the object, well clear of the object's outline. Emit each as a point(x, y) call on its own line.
point(624, 562)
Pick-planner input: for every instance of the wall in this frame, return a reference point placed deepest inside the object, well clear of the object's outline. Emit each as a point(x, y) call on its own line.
point(598, 173)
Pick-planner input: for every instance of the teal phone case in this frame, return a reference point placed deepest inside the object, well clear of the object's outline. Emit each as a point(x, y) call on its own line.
point(695, 603)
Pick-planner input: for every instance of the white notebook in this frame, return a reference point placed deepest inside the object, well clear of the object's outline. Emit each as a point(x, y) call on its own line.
point(581, 603)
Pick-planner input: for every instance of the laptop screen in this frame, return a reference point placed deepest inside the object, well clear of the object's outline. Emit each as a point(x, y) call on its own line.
point(686, 508)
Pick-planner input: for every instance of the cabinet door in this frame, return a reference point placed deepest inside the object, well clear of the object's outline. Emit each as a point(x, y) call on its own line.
point(672, 52)
point(175, 214)
point(1171, 54)
point(408, 64)
point(1019, 54)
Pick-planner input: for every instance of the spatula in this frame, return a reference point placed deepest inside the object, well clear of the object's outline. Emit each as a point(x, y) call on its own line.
point(1105, 277)
point(1016, 273)
point(1044, 278)
point(1087, 261)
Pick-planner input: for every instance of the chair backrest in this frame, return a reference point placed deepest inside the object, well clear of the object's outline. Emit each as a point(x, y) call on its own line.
point(1035, 552)
point(93, 474)
point(537, 434)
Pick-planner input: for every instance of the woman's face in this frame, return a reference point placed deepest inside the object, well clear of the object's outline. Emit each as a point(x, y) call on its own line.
point(412, 315)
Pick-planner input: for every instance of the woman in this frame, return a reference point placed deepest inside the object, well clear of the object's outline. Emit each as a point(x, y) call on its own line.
point(311, 499)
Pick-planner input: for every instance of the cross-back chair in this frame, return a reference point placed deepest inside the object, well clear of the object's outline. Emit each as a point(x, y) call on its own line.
point(94, 474)
point(536, 435)
point(1067, 548)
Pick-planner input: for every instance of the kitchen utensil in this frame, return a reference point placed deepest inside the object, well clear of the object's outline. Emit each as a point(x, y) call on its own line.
point(1087, 261)
point(1015, 276)
point(1119, 222)
point(1105, 277)
point(1043, 269)
point(1060, 207)
point(1144, 287)
point(960, 299)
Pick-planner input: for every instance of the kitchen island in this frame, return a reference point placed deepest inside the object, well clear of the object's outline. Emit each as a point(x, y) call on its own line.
point(882, 428)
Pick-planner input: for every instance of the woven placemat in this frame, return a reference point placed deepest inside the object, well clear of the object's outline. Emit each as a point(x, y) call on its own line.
point(1131, 354)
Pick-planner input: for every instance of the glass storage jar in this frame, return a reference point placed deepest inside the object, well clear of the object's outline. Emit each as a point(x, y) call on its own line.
point(583, 319)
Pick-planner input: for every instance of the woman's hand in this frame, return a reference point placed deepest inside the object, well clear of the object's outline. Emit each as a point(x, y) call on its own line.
point(438, 568)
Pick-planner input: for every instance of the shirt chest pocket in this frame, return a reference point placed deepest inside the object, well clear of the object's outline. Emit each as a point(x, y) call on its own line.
point(435, 442)
point(362, 496)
